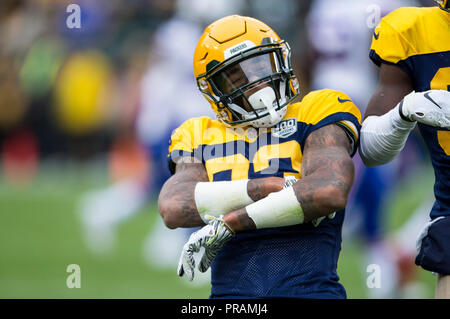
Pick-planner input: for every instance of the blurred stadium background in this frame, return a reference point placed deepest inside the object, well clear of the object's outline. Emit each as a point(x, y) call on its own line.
point(85, 116)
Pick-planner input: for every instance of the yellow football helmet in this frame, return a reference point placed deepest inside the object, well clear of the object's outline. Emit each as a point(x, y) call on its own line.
point(444, 4)
point(243, 69)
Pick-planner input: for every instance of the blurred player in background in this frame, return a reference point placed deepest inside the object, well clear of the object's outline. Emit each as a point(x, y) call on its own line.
point(339, 39)
point(277, 245)
point(412, 48)
point(103, 210)
point(168, 96)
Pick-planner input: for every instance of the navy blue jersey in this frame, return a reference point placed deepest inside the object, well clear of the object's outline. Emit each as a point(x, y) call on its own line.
point(295, 261)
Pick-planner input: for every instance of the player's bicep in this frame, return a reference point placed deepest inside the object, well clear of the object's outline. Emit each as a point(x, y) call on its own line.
point(191, 169)
point(394, 84)
point(325, 148)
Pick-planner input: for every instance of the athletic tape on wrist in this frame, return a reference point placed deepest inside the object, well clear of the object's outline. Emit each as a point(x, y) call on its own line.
point(276, 210)
point(217, 198)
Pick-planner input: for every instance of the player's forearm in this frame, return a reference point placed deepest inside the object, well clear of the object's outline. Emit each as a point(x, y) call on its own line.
point(176, 203)
point(239, 220)
point(328, 177)
point(312, 197)
point(383, 137)
point(260, 188)
point(326, 192)
point(186, 203)
point(218, 198)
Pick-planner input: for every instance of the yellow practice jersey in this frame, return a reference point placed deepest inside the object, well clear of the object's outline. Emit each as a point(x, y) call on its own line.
point(418, 41)
point(243, 153)
point(298, 260)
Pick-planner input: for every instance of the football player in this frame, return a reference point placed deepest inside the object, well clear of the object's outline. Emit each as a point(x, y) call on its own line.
point(412, 48)
point(339, 39)
point(265, 174)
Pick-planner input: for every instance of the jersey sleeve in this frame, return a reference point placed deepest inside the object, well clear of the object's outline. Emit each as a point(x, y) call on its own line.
point(393, 40)
point(331, 107)
point(185, 141)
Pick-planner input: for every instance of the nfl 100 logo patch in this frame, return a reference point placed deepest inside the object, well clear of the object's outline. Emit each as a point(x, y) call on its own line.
point(285, 128)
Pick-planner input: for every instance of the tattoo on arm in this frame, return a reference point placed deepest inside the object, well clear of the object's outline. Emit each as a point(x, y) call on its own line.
point(327, 168)
point(261, 187)
point(179, 191)
point(327, 176)
point(239, 220)
point(327, 171)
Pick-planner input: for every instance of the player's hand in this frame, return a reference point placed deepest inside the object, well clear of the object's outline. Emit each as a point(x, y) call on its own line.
point(316, 222)
point(430, 107)
point(212, 237)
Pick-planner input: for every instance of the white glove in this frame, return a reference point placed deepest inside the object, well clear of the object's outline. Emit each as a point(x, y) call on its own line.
point(212, 237)
point(317, 221)
point(289, 181)
point(431, 107)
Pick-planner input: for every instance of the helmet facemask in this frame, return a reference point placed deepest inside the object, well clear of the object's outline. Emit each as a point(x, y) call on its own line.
point(444, 4)
point(254, 86)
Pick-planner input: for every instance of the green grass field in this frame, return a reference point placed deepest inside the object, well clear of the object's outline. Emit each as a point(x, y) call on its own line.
point(40, 235)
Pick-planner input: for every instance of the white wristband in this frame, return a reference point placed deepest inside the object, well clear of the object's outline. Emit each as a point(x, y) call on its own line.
point(276, 210)
point(217, 198)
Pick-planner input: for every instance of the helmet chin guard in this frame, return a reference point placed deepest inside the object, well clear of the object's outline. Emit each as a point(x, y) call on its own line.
point(264, 100)
point(254, 90)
